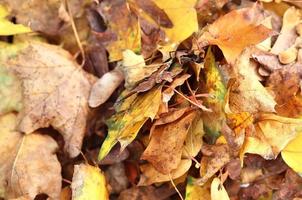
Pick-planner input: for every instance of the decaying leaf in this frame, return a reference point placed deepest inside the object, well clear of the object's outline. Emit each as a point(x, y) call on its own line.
point(247, 94)
point(124, 126)
point(291, 154)
point(214, 158)
point(88, 182)
point(196, 192)
point(165, 147)
point(218, 191)
point(285, 85)
point(151, 175)
point(29, 165)
point(55, 92)
point(9, 28)
point(236, 30)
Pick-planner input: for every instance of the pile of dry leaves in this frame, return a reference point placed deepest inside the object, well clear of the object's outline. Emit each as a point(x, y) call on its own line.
point(150, 99)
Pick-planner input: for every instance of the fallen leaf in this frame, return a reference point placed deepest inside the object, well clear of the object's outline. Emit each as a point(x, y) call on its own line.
point(9, 28)
point(135, 69)
point(165, 147)
point(150, 175)
point(218, 191)
point(10, 86)
point(272, 135)
point(88, 182)
point(285, 85)
point(169, 92)
point(123, 31)
point(215, 87)
point(193, 142)
point(215, 158)
point(182, 16)
point(38, 18)
point(29, 165)
point(196, 192)
point(104, 87)
point(235, 31)
point(55, 92)
point(124, 125)
point(246, 93)
point(291, 154)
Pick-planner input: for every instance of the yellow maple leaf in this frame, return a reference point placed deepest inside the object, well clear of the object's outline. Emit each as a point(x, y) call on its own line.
point(124, 125)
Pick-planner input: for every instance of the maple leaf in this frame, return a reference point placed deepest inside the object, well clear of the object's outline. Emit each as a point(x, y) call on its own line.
point(88, 182)
point(29, 165)
point(55, 92)
point(131, 115)
point(235, 31)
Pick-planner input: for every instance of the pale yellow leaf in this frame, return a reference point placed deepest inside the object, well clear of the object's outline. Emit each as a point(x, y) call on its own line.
point(88, 183)
point(218, 191)
point(292, 153)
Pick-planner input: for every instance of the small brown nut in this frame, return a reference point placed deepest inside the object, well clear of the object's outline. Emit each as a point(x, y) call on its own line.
point(288, 56)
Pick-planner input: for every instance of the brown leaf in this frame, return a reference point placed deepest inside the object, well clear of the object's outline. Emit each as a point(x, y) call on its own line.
point(165, 147)
point(40, 15)
point(29, 165)
point(214, 158)
point(55, 92)
point(285, 84)
point(150, 175)
point(138, 193)
point(236, 30)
